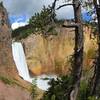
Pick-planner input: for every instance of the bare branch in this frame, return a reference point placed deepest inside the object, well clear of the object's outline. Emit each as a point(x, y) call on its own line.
point(69, 4)
point(54, 4)
point(71, 26)
point(53, 10)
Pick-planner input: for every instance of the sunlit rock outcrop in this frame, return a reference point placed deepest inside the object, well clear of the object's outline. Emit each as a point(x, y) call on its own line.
point(53, 55)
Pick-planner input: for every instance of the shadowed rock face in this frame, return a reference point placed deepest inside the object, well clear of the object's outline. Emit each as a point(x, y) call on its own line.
point(6, 60)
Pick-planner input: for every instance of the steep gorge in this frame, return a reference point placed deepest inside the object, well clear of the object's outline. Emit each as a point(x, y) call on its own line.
point(52, 55)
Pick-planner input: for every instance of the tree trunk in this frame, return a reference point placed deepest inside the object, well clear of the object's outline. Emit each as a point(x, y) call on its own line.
point(96, 80)
point(78, 55)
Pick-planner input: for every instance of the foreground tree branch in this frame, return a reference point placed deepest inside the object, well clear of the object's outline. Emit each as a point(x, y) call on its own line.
point(71, 26)
point(53, 11)
point(69, 4)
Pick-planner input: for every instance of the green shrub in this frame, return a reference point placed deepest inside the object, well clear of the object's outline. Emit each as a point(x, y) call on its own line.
point(33, 89)
point(6, 80)
point(92, 98)
point(84, 90)
point(22, 32)
point(59, 88)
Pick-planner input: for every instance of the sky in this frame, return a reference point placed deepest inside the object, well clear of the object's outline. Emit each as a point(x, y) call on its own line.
point(21, 10)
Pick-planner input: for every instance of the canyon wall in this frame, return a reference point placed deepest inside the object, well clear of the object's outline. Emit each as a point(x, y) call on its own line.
point(52, 55)
point(6, 59)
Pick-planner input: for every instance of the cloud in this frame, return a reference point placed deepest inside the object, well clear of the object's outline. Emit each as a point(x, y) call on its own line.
point(21, 10)
point(18, 21)
point(18, 24)
point(65, 13)
point(30, 7)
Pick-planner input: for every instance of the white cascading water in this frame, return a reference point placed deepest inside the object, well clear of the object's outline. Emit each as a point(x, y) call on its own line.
point(20, 61)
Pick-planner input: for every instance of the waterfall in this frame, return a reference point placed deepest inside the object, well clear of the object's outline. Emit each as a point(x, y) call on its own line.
point(20, 61)
point(21, 65)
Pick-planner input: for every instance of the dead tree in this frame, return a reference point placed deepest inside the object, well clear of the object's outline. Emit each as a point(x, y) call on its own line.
point(78, 51)
point(78, 54)
point(96, 81)
point(78, 62)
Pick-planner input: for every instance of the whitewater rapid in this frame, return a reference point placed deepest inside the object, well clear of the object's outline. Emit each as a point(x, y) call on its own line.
point(21, 65)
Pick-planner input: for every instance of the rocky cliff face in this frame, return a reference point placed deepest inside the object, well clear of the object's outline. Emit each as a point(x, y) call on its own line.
point(52, 55)
point(6, 60)
point(7, 66)
point(49, 56)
